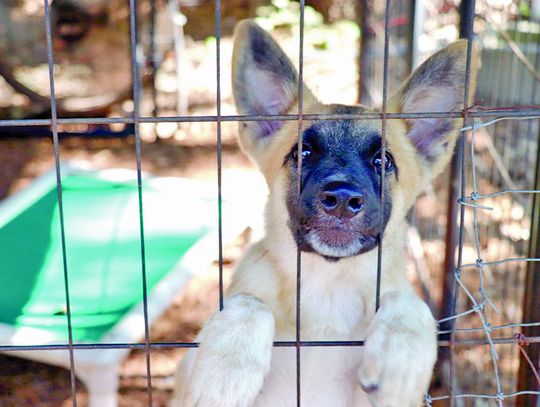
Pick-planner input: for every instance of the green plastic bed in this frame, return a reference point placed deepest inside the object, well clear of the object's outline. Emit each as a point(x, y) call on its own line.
point(103, 246)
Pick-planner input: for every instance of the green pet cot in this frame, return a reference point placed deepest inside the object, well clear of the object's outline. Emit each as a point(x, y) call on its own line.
point(103, 246)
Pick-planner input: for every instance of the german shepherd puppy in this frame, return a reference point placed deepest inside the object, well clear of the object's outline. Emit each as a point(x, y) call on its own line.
point(335, 221)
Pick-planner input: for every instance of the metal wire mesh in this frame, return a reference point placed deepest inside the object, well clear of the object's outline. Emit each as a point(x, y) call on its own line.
point(471, 199)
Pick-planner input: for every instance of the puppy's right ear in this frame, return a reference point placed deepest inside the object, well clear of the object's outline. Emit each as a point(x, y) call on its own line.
point(265, 82)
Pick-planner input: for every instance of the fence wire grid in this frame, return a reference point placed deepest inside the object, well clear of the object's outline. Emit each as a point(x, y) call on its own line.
point(471, 199)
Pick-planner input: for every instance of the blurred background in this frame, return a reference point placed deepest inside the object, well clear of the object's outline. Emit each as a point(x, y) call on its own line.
point(343, 63)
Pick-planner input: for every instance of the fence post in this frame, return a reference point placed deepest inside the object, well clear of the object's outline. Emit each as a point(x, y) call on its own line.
point(447, 306)
point(465, 25)
point(531, 301)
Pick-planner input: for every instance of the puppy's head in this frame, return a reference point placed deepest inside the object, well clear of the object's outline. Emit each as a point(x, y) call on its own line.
point(338, 212)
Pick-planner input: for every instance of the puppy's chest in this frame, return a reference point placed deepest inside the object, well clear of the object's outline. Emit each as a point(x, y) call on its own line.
point(327, 377)
point(334, 306)
point(329, 310)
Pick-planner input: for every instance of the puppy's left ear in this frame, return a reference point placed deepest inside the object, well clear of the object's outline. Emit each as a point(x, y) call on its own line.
point(438, 85)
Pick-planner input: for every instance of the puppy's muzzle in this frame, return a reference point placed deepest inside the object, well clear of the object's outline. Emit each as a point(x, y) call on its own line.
point(341, 199)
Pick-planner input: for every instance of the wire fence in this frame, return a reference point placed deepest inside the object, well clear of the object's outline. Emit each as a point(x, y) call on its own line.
point(471, 199)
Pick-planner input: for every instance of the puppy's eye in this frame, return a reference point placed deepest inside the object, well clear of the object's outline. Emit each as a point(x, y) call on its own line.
point(307, 152)
point(388, 161)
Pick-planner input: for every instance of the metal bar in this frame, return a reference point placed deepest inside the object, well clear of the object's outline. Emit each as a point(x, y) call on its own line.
point(498, 397)
point(219, 149)
point(493, 328)
point(54, 125)
point(279, 344)
point(502, 261)
point(446, 306)
point(153, 57)
point(383, 149)
point(363, 66)
point(298, 344)
point(412, 30)
point(465, 200)
point(455, 236)
point(531, 301)
point(492, 112)
point(136, 114)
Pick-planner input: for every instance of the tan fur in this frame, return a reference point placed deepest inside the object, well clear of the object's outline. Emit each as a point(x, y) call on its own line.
point(419, 176)
point(236, 364)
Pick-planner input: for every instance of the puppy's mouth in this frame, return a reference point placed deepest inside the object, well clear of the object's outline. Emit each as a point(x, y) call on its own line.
point(336, 240)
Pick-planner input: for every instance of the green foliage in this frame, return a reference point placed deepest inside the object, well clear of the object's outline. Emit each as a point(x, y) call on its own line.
point(524, 9)
point(210, 42)
point(284, 14)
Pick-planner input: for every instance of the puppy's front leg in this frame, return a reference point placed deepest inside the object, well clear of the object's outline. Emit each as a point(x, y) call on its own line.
point(233, 356)
point(399, 353)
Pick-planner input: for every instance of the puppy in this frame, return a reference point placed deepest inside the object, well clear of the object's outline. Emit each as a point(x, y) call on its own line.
point(335, 220)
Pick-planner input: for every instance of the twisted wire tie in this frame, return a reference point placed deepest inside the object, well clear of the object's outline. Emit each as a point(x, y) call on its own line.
point(476, 125)
point(478, 307)
point(522, 339)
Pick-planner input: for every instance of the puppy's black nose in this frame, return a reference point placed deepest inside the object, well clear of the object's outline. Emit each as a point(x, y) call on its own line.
point(341, 199)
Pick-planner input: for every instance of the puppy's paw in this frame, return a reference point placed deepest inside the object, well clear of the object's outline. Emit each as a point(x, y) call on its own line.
point(399, 352)
point(233, 356)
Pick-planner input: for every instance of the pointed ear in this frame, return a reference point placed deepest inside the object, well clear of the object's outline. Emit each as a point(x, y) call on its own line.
point(265, 81)
point(438, 85)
